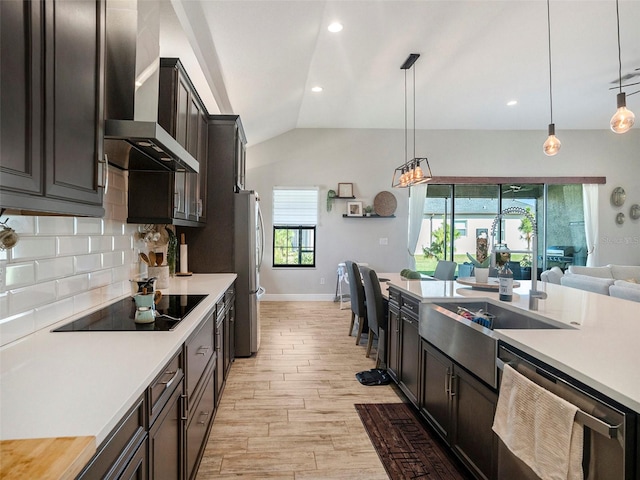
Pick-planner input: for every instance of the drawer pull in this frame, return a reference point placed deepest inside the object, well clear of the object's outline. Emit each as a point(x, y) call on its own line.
point(168, 383)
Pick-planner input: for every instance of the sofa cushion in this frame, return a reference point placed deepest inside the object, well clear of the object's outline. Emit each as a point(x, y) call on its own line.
point(598, 272)
point(588, 283)
point(626, 284)
point(625, 272)
point(625, 293)
point(553, 275)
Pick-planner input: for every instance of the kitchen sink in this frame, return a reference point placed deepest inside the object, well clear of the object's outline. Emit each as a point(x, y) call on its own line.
point(471, 342)
point(501, 318)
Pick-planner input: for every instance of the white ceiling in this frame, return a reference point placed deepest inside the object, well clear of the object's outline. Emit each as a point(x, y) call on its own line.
point(260, 58)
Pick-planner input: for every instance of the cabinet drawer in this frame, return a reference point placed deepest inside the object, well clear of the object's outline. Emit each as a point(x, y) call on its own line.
point(120, 446)
point(394, 296)
point(160, 389)
point(199, 423)
point(199, 351)
point(410, 306)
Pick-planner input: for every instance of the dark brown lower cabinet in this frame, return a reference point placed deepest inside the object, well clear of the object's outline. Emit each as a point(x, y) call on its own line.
point(137, 467)
point(461, 409)
point(393, 342)
point(121, 454)
point(200, 420)
point(166, 439)
point(409, 356)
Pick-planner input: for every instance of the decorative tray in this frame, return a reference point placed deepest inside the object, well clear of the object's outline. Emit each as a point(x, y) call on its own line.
point(491, 284)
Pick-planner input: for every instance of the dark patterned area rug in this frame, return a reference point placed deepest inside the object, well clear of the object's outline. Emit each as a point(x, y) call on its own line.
point(405, 445)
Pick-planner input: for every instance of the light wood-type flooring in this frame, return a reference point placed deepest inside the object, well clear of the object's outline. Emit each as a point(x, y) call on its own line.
point(287, 413)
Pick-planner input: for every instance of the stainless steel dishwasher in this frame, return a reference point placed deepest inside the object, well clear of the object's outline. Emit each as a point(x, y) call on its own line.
point(609, 450)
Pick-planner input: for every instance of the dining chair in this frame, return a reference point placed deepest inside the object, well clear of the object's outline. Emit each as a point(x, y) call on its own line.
point(445, 270)
point(356, 293)
point(377, 310)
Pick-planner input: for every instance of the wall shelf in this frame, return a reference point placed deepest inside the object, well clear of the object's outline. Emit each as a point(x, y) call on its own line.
point(373, 215)
point(347, 198)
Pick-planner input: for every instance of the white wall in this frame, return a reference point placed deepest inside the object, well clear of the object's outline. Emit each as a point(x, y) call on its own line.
point(325, 157)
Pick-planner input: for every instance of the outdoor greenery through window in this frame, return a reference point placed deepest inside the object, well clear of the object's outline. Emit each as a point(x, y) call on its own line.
point(295, 216)
point(468, 210)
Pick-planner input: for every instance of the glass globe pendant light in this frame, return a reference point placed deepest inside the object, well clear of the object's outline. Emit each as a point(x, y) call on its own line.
point(552, 145)
point(623, 119)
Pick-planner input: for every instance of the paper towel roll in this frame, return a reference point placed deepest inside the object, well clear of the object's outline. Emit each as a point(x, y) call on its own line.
point(184, 259)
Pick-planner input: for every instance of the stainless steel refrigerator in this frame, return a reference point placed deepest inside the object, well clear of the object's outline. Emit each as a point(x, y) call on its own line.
point(249, 249)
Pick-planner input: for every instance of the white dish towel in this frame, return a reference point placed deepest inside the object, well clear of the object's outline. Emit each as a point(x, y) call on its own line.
point(539, 427)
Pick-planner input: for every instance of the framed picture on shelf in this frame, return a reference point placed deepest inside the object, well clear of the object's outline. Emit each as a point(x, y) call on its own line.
point(345, 190)
point(354, 209)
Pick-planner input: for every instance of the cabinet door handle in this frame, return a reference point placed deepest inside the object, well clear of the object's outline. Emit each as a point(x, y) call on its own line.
point(199, 211)
point(447, 380)
point(103, 173)
point(452, 385)
point(203, 350)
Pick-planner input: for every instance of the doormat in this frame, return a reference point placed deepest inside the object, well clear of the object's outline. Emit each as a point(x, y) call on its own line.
point(405, 446)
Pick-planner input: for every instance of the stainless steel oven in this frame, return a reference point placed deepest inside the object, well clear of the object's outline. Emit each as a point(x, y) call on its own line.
point(609, 450)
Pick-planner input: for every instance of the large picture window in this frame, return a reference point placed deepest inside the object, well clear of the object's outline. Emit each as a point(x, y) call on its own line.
point(295, 217)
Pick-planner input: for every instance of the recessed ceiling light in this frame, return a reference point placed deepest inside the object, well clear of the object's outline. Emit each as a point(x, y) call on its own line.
point(316, 89)
point(335, 27)
point(511, 103)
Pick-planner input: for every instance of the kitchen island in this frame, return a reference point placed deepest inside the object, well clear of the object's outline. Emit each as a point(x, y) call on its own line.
point(598, 347)
point(81, 384)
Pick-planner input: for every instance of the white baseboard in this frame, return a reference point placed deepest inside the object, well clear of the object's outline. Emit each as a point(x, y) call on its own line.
point(292, 297)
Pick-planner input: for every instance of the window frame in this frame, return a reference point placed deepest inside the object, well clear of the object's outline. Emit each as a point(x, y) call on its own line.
point(301, 251)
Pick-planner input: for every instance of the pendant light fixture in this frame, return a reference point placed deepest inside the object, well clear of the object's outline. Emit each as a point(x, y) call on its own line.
point(552, 145)
point(411, 171)
point(623, 119)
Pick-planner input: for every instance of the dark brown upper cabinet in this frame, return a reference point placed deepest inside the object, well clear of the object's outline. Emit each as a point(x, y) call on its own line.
point(176, 197)
point(52, 83)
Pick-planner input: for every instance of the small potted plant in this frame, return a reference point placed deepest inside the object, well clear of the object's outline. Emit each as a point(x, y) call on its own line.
point(480, 267)
point(368, 210)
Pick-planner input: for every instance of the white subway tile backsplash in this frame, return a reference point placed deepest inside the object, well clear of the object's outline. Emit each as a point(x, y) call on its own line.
point(89, 226)
point(102, 243)
point(23, 225)
point(19, 274)
point(65, 265)
point(115, 290)
point(88, 263)
point(34, 247)
point(112, 259)
point(55, 225)
point(53, 312)
point(52, 268)
point(17, 326)
point(72, 285)
point(87, 300)
point(122, 242)
point(26, 298)
point(100, 278)
point(72, 245)
point(116, 227)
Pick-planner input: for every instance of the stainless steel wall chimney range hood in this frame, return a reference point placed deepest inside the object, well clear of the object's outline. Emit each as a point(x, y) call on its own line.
point(134, 140)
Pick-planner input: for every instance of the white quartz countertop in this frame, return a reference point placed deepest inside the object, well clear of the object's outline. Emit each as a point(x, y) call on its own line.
point(56, 384)
point(601, 348)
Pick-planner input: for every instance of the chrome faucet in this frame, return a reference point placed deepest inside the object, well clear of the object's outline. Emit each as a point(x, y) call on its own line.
point(534, 294)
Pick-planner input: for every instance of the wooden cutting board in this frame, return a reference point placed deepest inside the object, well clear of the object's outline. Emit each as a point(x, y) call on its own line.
point(45, 458)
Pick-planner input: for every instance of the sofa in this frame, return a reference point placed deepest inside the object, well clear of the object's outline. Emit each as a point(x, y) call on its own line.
point(621, 281)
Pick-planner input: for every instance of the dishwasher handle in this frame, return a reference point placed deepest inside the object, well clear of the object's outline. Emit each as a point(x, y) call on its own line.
point(582, 418)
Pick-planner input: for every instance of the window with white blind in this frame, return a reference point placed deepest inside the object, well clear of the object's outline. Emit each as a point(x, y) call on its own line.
point(295, 216)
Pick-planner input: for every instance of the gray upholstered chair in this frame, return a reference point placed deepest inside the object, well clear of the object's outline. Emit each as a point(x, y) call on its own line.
point(356, 294)
point(445, 270)
point(376, 313)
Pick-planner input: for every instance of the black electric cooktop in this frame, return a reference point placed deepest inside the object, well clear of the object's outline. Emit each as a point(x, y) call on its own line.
point(119, 316)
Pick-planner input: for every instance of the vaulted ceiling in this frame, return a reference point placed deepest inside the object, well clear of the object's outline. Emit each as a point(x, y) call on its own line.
point(260, 59)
